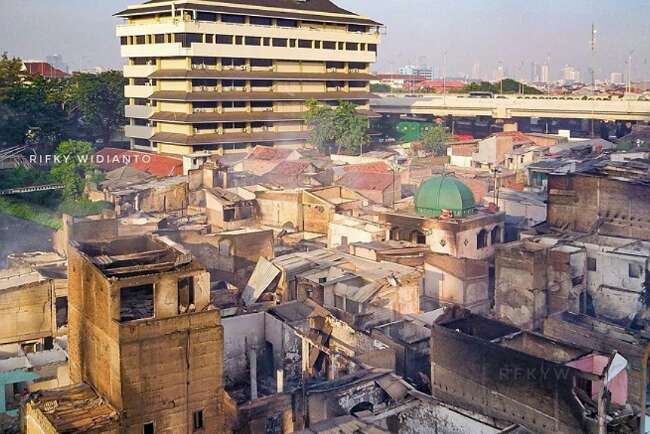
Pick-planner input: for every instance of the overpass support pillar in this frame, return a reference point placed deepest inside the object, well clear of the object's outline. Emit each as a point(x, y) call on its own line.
point(510, 125)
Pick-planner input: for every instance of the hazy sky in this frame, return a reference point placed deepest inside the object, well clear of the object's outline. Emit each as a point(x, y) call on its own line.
point(516, 32)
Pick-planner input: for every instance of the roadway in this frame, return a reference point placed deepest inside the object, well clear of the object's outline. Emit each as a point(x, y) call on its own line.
point(515, 107)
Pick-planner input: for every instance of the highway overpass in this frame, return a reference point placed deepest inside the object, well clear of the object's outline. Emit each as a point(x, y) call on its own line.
point(515, 107)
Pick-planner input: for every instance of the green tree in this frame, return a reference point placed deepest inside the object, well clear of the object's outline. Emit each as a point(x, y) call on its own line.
point(342, 127)
point(32, 112)
point(9, 74)
point(99, 100)
point(507, 86)
point(380, 88)
point(351, 128)
point(321, 120)
point(72, 164)
point(435, 140)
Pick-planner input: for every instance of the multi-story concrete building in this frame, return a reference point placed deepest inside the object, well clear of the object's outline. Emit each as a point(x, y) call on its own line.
point(229, 75)
point(145, 344)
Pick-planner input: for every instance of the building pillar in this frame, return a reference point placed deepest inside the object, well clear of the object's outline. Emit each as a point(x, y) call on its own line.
point(331, 372)
point(252, 360)
point(279, 380)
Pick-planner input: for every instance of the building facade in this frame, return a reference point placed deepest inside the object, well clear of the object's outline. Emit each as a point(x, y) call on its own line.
point(233, 74)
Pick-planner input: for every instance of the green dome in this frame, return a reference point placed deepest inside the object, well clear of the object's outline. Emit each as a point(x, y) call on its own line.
point(444, 193)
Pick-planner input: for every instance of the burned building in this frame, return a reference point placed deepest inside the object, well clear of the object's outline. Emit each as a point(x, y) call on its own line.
point(228, 210)
point(361, 292)
point(606, 277)
point(604, 336)
point(515, 376)
point(613, 196)
point(144, 341)
point(27, 306)
point(456, 281)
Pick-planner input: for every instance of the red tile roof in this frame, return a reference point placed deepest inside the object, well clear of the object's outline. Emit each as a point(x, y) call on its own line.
point(367, 181)
point(158, 165)
point(290, 168)
point(375, 167)
point(44, 69)
point(269, 154)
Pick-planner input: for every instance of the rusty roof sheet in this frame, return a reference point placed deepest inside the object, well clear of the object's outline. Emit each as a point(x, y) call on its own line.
point(75, 409)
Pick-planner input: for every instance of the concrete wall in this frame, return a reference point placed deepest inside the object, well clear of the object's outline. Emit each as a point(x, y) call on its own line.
point(279, 208)
point(160, 369)
point(244, 332)
point(580, 200)
point(430, 416)
point(448, 280)
point(27, 312)
point(351, 230)
point(480, 376)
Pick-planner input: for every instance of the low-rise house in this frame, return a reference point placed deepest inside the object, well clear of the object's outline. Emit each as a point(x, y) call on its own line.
point(320, 205)
point(493, 150)
point(524, 209)
point(263, 159)
point(460, 153)
point(228, 210)
point(400, 252)
point(411, 342)
point(297, 174)
point(379, 187)
point(606, 337)
point(523, 155)
point(24, 370)
point(606, 277)
point(452, 281)
point(344, 230)
point(145, 195)
point(109, 159)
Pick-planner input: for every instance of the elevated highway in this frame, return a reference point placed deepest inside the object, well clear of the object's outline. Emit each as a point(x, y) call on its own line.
point(515, 107)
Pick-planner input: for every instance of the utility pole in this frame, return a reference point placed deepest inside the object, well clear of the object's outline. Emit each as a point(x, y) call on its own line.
point(444, 77)
point(629, 72)
point(593, 73)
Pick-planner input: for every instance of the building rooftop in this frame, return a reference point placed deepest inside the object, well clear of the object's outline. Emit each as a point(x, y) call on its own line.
point(322, 10)
point(132, 256)
point(75, 409)
point(367, 181)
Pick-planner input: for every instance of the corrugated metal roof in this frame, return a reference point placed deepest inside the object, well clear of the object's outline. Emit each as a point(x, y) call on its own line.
point(263, 277)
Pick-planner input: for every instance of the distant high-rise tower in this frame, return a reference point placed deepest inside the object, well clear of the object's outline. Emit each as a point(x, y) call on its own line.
point(544, 75)
point(570, 74)
point(616, 78)
point(499, 73)
point(476, 71)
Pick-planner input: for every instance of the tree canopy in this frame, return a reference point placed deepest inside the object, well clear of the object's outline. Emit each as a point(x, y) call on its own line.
point(341, 127)
point(45, 111)
point(74, 162)
point(99, 101)
point(508, 85)
point(435, 140)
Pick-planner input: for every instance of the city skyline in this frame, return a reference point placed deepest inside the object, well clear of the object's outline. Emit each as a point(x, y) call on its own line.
point(470, 35)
